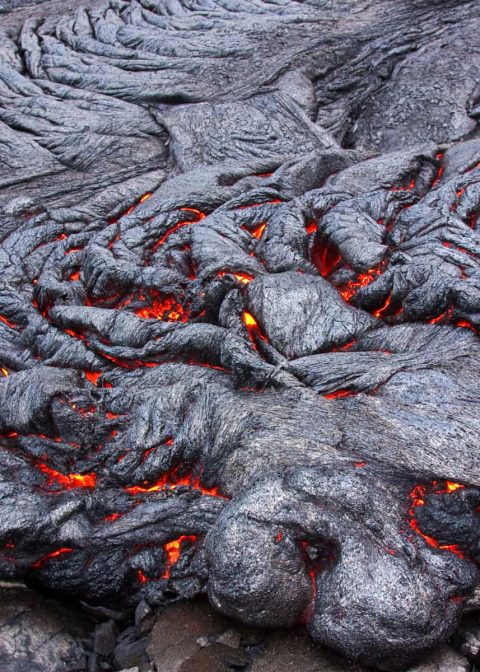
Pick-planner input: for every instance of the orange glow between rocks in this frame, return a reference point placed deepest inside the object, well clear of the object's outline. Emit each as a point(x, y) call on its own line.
point(325, 257)
point(243, 278)
point(253, 329)
point(408, 187)
point(417, 496)
point(93, 376)
point(166, 309)
point(361, 281)
point(179, 225)
point(173, 551)
point(379, 313)
point(339, 393)
point(171, 481)
point(69, 481)
point(466, 325)
point(258, 232)
point(49, 556)
point(7, 322)
point(446, 315)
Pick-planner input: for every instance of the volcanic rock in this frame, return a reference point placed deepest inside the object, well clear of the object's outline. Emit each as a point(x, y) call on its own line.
point(239, 319)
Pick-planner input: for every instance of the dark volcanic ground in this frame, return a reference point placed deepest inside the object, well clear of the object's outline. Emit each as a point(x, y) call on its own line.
point(239, 320)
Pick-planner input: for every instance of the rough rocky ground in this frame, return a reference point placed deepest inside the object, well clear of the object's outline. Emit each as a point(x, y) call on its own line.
point(43, 636)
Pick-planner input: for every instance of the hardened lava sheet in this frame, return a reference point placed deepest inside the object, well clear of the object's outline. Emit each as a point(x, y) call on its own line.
point(240, 311)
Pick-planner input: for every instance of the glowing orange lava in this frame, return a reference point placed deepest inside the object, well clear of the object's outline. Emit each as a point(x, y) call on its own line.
point(408, 187)
point(253, 329)
point(49, 556)
point(417, 496)
point(69, 481)
point(7, 322)
point(93, 376)
point(179, 225)
point(325, 256)
point(166, 309)
point(243, 278)
point(339, 393)
point(173, 551)
point(446, 315)
point(170, 481)
point(258, 232)
point(379, 313)
point(361, 281)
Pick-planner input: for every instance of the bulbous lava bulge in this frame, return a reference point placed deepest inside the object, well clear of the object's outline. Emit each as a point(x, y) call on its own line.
point(240, 311)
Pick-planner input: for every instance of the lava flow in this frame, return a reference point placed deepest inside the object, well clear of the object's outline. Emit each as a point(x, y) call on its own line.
point(167, 309)
point(68, 481)
point(173, 551)
point(172, 480)
point(417, 497)
point(253, 329)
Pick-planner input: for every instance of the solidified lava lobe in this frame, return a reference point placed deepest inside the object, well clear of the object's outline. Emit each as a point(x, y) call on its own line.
point(417, 497)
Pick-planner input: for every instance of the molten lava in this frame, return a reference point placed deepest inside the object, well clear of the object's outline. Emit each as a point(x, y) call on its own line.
point(258, 232)
point(325, 256)
point(253, 329)
point(69, 481)
point(417, 496)
point(54, 554)
point(173, 551)
point(348, 290)
point(93, 376)
point(171, 481)
point(243, 278)
point(199, 216)
point(167, 309)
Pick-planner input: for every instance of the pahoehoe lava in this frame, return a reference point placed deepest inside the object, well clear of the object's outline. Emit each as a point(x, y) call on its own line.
point(240, 310)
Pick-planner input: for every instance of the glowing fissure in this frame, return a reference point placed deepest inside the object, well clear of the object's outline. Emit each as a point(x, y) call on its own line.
point(243, 278)
point(439, 157)
point(54, 554)
point(338, 394)
point(253, 329)
point(312, 570)
point(8, 322)
point(417, 496)
point(172, 480)
point(408, 187)
point(173, 552)
point(362, 280)
point(176, 227)
point(68, 481)
point(166, 309)
point(325, 256)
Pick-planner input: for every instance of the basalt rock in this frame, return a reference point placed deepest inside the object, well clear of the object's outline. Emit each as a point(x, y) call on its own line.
point(240, 311)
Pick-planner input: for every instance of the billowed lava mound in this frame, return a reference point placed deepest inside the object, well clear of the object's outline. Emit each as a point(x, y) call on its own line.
point(240, 311)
